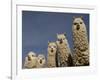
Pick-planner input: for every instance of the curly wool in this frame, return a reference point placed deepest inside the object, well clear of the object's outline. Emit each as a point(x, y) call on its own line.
point(81, 46)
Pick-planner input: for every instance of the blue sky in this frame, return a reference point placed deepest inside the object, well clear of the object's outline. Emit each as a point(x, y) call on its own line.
point(40, 27)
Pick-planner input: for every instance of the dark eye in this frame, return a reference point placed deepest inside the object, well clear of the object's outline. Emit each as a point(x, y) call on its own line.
point(32, 55)
point(75, 23)
point(80, 22)
point(54, 46)
point(58, 39)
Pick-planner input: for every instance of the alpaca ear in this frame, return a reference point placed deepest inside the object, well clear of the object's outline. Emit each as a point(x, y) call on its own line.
point(74, 17)
point(48, 42)
point(57, 34)
point(81, 17)
point(65, 34)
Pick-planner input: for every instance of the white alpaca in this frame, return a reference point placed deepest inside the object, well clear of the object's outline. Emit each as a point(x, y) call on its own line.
point(51, 59)
point(80, 39)
point(64, 52)
point(30, 60)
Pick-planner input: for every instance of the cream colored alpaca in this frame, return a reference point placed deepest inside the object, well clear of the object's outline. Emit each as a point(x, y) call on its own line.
point(41, 61)
point(30, 60)
point(51, 59)
point(80, 39)
point(64, 52)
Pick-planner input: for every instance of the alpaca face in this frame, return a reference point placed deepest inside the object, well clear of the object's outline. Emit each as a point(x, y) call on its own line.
point(30, 60)
point(52, 48)
point(31, 56)
point(78, 24)
point(61, 39)
point(41, 60)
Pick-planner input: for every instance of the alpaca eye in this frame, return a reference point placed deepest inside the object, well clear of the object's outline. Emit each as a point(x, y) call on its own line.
point(32, 55)
point(54, 46)
point(58, 39)
point(80, 22)
point(75, 23)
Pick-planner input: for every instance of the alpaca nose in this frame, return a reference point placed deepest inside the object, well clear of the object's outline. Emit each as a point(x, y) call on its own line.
point(61, 41)
point(29, 59)
point(78, 27)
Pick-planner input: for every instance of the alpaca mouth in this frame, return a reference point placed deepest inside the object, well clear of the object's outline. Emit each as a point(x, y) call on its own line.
point(78, 27)
point(61, 42)
point(40, 61)
point(52, 50)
